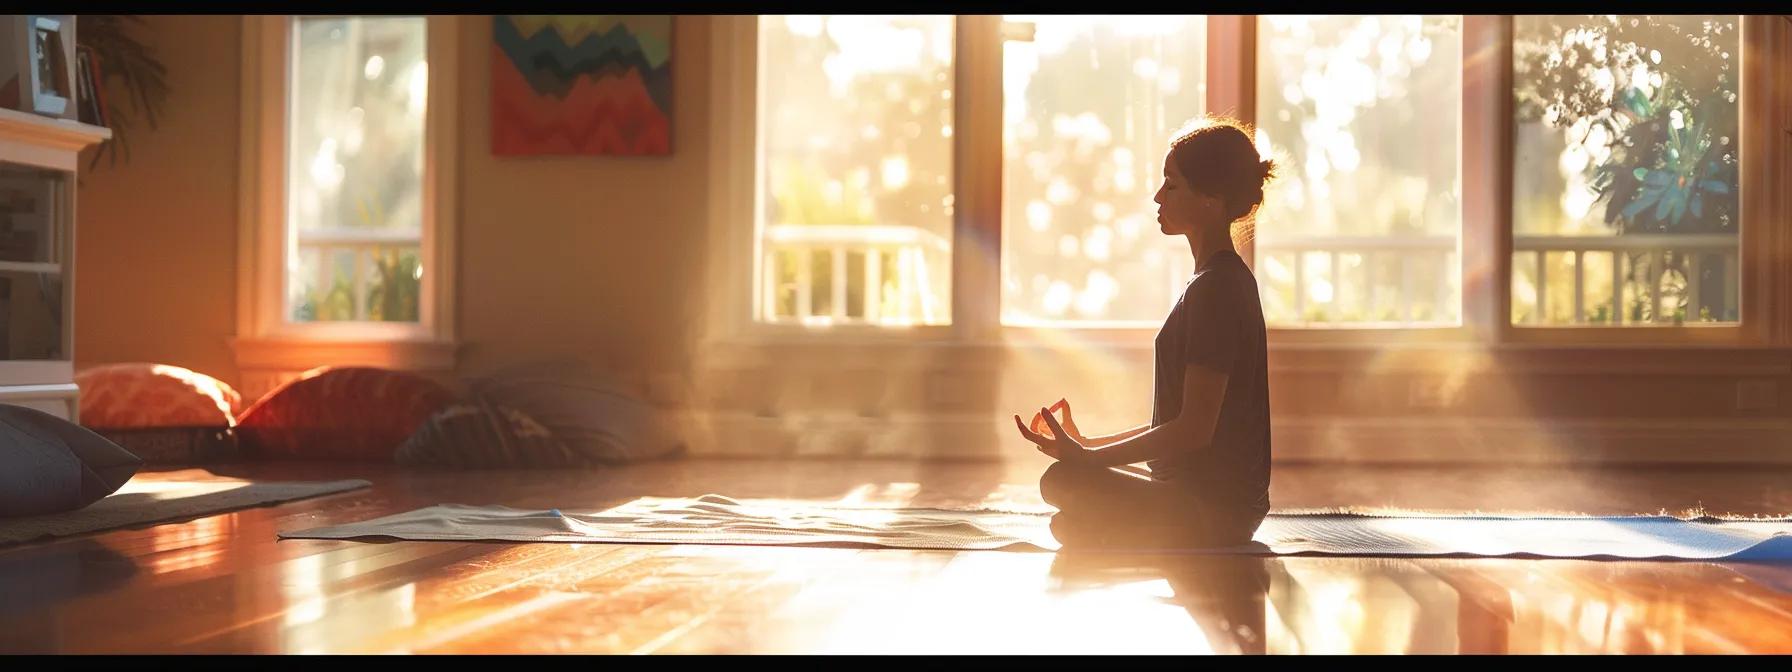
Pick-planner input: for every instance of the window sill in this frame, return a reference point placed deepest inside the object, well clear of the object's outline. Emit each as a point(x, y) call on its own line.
point(406, 354)
point(1020, 350)
point(266, 362)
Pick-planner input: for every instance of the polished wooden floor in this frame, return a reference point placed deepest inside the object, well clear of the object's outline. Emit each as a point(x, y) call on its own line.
point(224, 584)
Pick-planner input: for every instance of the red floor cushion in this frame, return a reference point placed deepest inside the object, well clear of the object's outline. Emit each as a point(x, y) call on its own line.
point(340, 413)
point(142, 395)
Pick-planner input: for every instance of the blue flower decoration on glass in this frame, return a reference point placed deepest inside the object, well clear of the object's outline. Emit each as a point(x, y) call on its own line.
point(1681, 184)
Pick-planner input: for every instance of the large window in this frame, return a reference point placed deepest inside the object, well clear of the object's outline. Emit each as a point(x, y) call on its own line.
point(1436, 171)
point(1626, 177)
point(354, 178)
point(1363, 115)
point(348, 186)
point(856, 119)
point(1088, 105)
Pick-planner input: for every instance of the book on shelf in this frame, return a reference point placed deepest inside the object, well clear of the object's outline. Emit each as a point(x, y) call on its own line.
point(92, 106)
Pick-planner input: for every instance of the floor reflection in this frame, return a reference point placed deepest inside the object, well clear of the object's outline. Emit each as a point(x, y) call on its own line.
point(1225, 595)
point(34, 578)
point(321, 617)
point(193, 544)
point(35, 582)
point(1333, 605)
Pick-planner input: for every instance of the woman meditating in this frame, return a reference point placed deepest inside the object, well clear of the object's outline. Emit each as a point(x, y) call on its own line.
point(1207, 445)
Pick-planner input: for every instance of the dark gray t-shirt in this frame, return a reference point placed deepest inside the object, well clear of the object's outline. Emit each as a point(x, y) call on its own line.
point(1218, 323)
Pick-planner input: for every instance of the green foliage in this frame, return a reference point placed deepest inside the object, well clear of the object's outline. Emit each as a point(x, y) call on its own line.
point(396, 297)
point(330, 305)
point(800, 196)
point(131, 64)
point(1601, 313)
point(1670, 134)
point(393, 294)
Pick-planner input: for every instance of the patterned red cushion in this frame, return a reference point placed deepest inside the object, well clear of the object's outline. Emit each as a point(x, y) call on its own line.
point(138, 395)
point(340, 413)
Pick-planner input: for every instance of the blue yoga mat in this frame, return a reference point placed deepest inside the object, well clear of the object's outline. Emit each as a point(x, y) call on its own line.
point(714, 519)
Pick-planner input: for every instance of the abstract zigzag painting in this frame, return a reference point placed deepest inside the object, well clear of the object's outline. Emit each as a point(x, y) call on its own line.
point(584, 84)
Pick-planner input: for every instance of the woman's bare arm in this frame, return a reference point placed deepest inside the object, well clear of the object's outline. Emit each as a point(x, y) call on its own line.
point(1202, 391)
point(1110, 439)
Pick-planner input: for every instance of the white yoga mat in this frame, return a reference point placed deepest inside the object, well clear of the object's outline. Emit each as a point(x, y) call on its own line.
point(713, 519)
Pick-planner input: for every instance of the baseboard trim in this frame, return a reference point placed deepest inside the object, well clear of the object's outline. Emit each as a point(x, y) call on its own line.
point(1381, 441)
point(1503, 441)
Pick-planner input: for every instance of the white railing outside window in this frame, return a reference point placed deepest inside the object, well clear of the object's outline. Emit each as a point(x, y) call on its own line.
point(1678, 269)
point(865, 274)
point(1290, 289)
point(364, 263)
point(881, 274)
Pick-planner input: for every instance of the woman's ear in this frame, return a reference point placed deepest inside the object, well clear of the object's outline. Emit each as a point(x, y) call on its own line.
point(1213, 204)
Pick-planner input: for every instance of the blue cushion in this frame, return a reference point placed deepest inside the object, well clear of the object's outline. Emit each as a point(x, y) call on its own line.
point(50, 465)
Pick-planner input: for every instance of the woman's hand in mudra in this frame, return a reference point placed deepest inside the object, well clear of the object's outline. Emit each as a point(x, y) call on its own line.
point(1038, 424)
point(1059, 446)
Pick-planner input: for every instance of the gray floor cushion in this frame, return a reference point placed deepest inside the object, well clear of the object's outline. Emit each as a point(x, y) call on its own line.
point(48, 464)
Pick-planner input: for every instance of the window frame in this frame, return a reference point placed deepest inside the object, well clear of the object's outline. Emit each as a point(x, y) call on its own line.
point(738, 187)
point(266, 337)
point(1757, 312)
point(1484, 242)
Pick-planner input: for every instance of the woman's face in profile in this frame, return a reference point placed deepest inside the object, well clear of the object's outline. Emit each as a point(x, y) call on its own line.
point(1179, 207)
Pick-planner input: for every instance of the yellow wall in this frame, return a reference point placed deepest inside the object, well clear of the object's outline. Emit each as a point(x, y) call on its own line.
point(594, 257)
point(155, 238)
point(597, 257)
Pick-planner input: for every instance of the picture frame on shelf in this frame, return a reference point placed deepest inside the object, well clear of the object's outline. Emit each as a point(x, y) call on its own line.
point(37, 68)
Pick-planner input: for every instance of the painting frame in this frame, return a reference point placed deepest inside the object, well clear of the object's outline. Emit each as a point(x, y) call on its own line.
point(582, 85)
